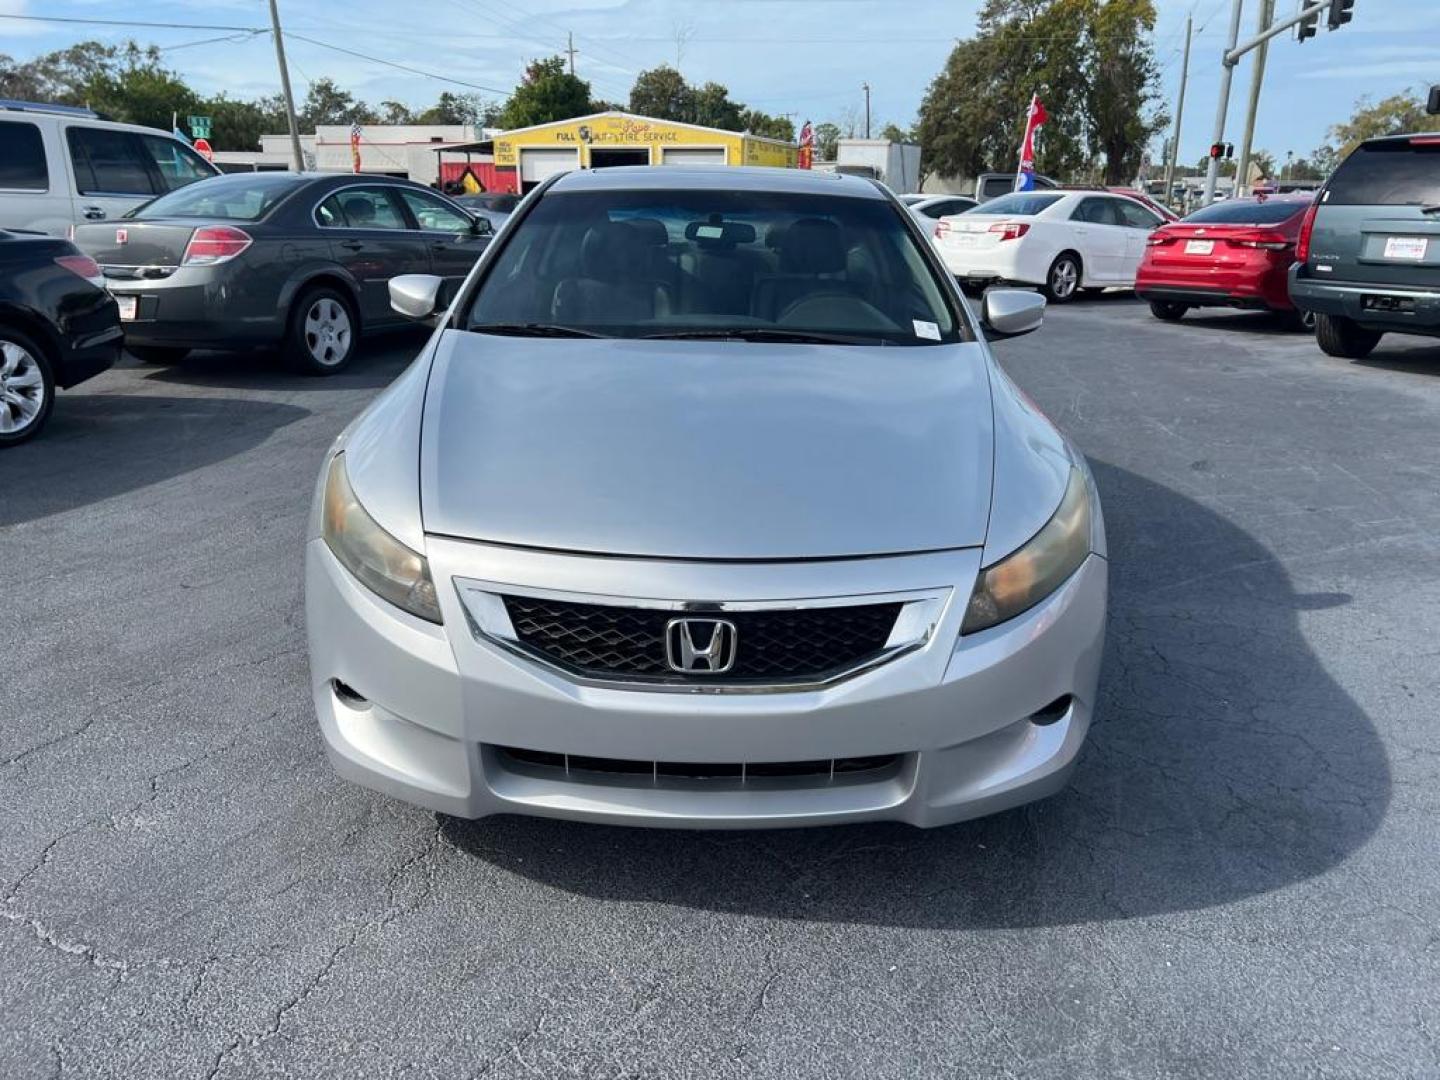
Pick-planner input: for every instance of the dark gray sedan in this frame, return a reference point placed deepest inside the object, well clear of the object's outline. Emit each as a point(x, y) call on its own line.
point(276, 259)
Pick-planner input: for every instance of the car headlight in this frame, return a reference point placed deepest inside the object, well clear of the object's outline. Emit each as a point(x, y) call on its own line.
point(384, 565)
point(1025, 577)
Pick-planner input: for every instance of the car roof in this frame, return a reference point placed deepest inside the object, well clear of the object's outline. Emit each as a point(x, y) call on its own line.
point(717, 178)
point(1405, 137)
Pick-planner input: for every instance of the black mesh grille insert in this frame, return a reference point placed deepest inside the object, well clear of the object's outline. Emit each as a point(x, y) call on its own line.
point(630, 772)
point(794, 645)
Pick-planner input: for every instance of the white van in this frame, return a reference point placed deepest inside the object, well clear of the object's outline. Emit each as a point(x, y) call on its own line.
point(60, 166)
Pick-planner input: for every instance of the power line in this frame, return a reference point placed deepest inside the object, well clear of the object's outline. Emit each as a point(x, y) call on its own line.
point(136, 24)
point(398, 66)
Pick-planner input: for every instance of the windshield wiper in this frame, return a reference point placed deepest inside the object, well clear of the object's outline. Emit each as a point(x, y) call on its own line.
point(761, 333)
point(1435, 209)
point(533, 329)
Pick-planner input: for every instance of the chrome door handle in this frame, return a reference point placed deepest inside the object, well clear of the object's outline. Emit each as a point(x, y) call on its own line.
point(94, 213)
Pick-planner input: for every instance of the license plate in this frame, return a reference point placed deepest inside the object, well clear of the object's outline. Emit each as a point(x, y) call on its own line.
point(1199, 247)
point(963, 239)
point(128, 305)
point(1405, 247)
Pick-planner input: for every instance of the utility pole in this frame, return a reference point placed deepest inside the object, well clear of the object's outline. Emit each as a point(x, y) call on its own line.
point(866, 88)
point(299, 158)
point(1227, 72)
point(1179, 114)
point(572, 51)
point(1242, 167)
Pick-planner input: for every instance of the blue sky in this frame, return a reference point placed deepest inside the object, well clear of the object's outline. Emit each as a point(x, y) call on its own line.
point(805, 57)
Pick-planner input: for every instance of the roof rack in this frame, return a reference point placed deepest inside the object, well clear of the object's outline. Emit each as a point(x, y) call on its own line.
point(45, 107)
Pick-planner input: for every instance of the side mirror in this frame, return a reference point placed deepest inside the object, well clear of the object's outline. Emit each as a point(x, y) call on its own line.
point(481, 226)
point(1432, 106)
point(1007, 313)
point(416, 296)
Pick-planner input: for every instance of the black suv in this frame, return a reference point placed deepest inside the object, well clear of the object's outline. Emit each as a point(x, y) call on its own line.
point(1368, 259)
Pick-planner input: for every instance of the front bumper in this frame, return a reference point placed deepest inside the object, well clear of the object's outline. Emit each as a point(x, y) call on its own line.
point(436, 705)
point(1416, 310)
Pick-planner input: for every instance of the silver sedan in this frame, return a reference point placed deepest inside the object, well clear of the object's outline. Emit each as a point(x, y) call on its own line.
point(707, 505)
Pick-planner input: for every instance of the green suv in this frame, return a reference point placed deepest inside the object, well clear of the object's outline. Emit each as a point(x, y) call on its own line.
point(1368, 257)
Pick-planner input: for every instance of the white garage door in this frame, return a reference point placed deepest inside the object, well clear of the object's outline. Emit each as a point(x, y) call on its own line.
point(537, 165)
point(678, 156)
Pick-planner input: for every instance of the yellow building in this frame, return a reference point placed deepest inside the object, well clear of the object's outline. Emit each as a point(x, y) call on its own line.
point(617, 138)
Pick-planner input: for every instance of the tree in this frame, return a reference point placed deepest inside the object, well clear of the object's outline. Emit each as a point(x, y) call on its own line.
point(326, 103)
point(460, 109)
point(827, 141)
point(124, 82)
point(895, 133)
point(1092, 63)
point(772, 127)
point(663, 93)
point(395, 112)
point(712, 107)
point(547, 92)
point(238, 125)
point(1401, 112)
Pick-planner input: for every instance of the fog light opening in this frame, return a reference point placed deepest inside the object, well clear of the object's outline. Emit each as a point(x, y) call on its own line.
point(348, 695)
point(1056, 710)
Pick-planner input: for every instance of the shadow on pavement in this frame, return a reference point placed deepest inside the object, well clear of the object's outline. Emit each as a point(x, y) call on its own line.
point(381, 358)
point(100, 445)
point(1270, 323)
point(1225, 763)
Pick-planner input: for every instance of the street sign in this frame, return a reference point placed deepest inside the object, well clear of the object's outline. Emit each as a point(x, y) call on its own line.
point(199, 127)
point(202, 147)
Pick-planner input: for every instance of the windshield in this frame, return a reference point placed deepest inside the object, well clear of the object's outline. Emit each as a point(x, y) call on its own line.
point(1020, 204)
point(231, 198)
point(1254, 212)
point(698, 263)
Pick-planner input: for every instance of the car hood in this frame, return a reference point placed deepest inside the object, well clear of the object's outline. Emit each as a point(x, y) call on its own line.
point(706, 450)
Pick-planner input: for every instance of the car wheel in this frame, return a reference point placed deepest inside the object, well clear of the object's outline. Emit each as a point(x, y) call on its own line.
point(1062, 281)
point(1168, 310)
point(1344, 338)
point(323, 332)
point(27, 387)
point(157, 354)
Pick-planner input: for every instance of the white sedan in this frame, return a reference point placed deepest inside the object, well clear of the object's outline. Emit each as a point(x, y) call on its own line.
point(1062, 241)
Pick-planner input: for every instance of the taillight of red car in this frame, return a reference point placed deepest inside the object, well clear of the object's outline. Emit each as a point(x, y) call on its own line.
point(1307, 226)
point(214, 244)
point(1265, 240)
point(1010, 230)
point(83, 266)
point(1159, 238)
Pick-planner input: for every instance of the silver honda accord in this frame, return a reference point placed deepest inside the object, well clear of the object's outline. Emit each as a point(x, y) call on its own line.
point(707, 505)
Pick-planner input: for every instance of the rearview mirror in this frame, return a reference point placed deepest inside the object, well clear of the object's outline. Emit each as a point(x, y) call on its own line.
point(416, 296)
point(1007, 313)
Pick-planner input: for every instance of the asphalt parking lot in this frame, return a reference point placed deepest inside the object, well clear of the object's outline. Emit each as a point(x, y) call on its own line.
point(1243, 881)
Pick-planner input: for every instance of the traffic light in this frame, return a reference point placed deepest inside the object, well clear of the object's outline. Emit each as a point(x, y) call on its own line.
point(1340, 13)
point(1307, 28)
point(1217, 150)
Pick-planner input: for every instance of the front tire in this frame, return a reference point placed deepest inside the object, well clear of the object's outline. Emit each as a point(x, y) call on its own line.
point(157, 354)
point(27, 387)
point(1168, 310)
point(1345, 338)
point(323, 332)
point(1062, 280)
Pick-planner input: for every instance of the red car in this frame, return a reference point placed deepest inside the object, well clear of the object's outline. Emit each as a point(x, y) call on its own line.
point(1235, 253)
